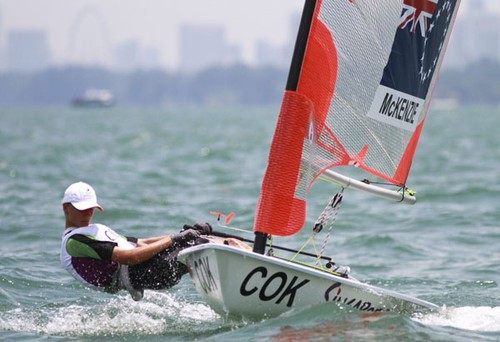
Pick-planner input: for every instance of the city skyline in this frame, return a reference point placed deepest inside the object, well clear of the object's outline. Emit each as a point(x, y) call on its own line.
point(91, 31)
point(101, 26)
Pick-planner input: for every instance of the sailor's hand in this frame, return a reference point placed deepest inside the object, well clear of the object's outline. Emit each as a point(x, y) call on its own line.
point(185, 236)
point(203, 228)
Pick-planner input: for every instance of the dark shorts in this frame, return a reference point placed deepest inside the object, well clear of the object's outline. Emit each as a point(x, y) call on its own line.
point(160, 272)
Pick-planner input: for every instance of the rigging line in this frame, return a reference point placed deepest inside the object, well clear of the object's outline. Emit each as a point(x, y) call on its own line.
point(321, 268)
point(404, 192)
point(291, 250)
point(318, 260)
point(233, 228)
point(330, 215)
point(325, 215)
point(300, 251)
point(270, 251)
point(367, 181)
point(402, 188)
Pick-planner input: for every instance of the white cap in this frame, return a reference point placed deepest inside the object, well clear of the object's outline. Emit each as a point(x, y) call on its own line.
point(82, 196)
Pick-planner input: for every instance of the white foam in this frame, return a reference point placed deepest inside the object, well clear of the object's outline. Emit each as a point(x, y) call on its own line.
point(482, 318)
point(155, 314)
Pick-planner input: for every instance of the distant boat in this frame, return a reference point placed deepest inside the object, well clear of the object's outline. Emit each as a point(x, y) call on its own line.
point(94, 98)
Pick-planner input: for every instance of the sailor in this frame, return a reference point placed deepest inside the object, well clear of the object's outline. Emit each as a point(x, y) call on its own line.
point(105, 260)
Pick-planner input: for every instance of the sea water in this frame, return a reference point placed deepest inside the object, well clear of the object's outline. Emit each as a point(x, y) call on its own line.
point(157, 169)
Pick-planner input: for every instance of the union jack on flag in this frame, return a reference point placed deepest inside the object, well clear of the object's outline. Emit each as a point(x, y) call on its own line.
point(416, 13)
point(415, 57)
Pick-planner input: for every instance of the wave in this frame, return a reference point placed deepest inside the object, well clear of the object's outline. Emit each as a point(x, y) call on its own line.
point(157, 314)
point(482, 318)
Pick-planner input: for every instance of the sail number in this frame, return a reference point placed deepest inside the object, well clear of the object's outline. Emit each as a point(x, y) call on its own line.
point(276, 285)
point(359, 304)
point(204, 275)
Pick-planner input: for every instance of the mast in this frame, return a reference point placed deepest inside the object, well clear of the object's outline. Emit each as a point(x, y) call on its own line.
point(300, 45)
point(292, 82)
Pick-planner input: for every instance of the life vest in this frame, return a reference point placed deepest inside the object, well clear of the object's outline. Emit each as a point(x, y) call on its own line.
point(97, 232)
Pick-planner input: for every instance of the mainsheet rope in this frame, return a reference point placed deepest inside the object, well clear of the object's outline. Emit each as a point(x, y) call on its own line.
point(328, 217)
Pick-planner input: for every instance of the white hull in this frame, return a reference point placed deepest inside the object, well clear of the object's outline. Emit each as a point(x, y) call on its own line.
point(242, 283)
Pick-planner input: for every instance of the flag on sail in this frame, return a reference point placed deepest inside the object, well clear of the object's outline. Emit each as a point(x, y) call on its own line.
point(405, 89)
point(418, 44)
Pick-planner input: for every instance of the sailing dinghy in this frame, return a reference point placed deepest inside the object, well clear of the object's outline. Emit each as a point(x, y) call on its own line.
point(357, 95)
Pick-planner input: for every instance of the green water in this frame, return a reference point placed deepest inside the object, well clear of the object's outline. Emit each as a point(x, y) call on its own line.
point(156, 169)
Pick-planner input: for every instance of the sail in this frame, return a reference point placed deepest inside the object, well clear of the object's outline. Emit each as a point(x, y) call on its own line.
point(358, 92)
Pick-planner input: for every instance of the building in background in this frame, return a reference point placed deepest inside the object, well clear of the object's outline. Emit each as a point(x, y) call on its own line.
point(476, 36)
point(203, 46)
point(27, 51)
point(131, 56)
point(267, 54)
point(279, 56)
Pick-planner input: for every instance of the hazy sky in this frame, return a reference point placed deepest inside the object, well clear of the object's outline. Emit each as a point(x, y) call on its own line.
point(104, 24)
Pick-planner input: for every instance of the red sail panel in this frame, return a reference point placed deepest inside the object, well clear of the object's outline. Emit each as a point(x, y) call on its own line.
point(279, 211)
point(281, 207)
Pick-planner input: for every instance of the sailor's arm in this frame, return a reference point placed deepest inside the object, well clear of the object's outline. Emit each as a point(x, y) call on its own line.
point(147, 241)
point(143, 251)
point(148, 248)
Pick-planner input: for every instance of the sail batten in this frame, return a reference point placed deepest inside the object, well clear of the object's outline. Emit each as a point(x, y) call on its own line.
point(358, 93)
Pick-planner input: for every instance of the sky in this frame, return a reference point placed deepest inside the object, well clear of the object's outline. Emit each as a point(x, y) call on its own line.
point(104, 24)
point(107, 23)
